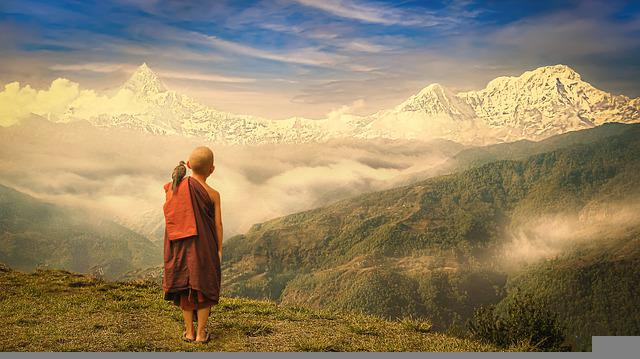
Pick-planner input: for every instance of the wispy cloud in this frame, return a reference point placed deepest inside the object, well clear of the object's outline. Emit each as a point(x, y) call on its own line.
point(365, 46)
point(99, 67)
point(568, 34)
point(203, 77)
point(102, 67)
point(282, 27)
point(305, 56)
point(370, 13)
point(340, 37)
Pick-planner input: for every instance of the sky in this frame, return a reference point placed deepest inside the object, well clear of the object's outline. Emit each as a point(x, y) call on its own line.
point(284, 58)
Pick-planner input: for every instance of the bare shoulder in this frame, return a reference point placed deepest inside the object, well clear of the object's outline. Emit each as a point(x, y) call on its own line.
point(215, 195)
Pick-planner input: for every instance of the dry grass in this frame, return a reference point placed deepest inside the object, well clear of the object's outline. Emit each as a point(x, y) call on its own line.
point(61, 311)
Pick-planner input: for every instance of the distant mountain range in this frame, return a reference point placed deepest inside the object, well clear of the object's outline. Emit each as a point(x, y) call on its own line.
point(535, 105)
point(547, 101)
point(151, 108)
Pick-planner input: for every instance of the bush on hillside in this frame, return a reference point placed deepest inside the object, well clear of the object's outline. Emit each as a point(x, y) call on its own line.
point(521, 320)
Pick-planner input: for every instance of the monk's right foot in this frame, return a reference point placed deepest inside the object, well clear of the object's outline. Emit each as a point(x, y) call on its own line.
point(189, 335)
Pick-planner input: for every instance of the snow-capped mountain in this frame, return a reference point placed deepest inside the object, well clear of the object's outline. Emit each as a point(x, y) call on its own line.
point(154, 109)
point(547, 101)
point(537, 104)
point(434, 112)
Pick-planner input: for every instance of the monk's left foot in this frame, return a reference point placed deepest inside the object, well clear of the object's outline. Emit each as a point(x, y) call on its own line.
point(189, 336)
point(203, 338)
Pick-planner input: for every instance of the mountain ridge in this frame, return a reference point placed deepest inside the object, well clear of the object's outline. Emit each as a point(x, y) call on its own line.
point(539, 103)
point(535, 105)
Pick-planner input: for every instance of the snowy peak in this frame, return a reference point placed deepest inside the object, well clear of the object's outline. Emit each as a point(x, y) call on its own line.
point(534, 105)
point(144, 81)
point(537, 104)
point(435, 102)
point(551, 72)
point(145, 104)
point(431, 98)
point(543, 83)
point(433, 89)
point(434, 93)
point(434, 99)
point(546, 76)
point(546, 101)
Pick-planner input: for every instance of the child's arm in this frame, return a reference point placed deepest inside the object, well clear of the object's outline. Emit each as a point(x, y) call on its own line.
point(218, 221)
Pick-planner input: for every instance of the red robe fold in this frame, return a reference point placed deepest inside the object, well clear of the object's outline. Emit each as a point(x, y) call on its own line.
point(193, 262)
point(180, 221)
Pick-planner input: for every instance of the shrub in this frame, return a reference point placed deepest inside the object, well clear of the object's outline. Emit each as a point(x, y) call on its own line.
point(521, 320)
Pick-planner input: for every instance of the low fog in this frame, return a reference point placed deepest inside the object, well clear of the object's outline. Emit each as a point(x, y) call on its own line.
point(547, 236)
point(119, 173)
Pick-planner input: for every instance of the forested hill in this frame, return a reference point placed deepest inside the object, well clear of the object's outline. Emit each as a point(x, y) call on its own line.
point(519, 150)
point(594, 289)
point(35, 233)
point(426, 249)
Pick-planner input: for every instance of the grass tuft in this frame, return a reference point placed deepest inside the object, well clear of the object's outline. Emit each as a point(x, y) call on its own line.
point(417, 325)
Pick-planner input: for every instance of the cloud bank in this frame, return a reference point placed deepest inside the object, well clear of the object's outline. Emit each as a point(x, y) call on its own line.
point(17, 102)
point(120, 173)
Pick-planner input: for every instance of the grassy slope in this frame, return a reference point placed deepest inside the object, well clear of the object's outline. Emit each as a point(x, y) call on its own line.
point(62, 311)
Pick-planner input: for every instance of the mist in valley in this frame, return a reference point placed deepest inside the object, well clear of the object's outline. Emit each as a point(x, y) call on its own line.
point(119, 173)
point(542, 237)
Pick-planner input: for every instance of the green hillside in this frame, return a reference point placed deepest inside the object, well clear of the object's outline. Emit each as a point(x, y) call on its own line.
point(428, 249)
point(464, 158)
point(595, 289)
point(51, 310)
point(34, 233)
point(518, 150)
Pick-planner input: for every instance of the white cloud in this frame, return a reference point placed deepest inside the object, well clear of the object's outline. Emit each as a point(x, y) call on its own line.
point(203, 77)
point(337, 119)
point(365, 46)
point(547, 236)
point(371, 13)
point(100, 67)
point(306, 55)
point(18, 102)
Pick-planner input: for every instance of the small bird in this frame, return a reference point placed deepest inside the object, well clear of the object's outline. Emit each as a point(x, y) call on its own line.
point(178, 174)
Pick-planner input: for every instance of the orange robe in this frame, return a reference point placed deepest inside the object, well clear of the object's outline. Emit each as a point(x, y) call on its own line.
point(192, 273)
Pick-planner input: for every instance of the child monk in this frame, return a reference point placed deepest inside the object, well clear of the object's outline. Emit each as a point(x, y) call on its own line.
point(193, 243)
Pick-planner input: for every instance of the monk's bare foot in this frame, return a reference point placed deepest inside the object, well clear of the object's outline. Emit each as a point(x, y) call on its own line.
point(202, 337)
point(190, 333)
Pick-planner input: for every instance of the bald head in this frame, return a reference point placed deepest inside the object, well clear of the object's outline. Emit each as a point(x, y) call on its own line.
point(201, 160)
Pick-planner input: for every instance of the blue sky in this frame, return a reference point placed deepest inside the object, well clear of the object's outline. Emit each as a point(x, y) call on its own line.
point(281, 58)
